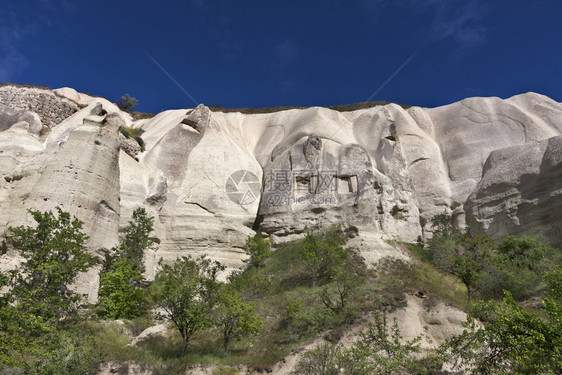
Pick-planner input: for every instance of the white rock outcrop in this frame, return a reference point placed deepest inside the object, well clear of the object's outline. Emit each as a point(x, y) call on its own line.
point(211, 179)
point(521, 191)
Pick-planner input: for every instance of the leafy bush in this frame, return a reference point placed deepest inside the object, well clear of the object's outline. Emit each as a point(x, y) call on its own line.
point(258, 249)
point(380, 350)
point(323, 252)
point(513, 340)
point(130, 132)
point(235, 318)
point(122, 293)
point(515, 265)
point(325, 359)
point(518, 267)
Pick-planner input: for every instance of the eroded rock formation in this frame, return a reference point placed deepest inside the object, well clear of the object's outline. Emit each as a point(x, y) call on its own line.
point(211, 179)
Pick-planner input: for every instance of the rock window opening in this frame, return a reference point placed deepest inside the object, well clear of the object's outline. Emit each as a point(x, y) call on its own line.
point(305, 185)
point(347, 184)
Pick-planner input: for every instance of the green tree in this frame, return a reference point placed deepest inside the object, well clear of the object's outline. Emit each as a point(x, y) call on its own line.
point(235, 318)
point(345, 285)
point(529, 252)
point(258, 249)
point(512, 340)
point(127, 102)
point(54, 253)
point(122, 293)
point(462, 255)
point(323, 252)
point(443, 225)
point(381, 350)
point(136, 238)
point(325, 359)
point(518, 267)
point(188, 294)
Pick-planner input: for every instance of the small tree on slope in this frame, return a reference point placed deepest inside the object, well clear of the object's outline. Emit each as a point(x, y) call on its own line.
point(122, 293)
point(188, 294)
point(54, 253)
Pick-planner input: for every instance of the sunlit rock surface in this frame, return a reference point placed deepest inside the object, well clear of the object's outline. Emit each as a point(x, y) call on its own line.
point(211, 179)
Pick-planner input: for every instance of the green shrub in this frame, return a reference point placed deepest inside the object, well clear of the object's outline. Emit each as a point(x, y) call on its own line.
point(321, 253)
point(130, 132)
point(293, 310)
point(518, 267)
point(380, 350)
point(512, 340)
point(122, 293)
point(325, 359)
point(258, 249)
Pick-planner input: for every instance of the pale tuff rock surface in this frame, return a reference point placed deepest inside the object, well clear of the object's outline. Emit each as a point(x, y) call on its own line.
point(211, 179)
point(75, 167)
point(521, 191)
point(433, 322)
point(447, 146)
point(194, 158)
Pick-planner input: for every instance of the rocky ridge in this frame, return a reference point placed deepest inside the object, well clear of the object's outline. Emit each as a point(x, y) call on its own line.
point(211, 179)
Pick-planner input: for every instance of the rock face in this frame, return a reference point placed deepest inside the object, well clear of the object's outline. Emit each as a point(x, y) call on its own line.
point(50, 108)
point(211, 179)
point(521, 191)
point(75, 167)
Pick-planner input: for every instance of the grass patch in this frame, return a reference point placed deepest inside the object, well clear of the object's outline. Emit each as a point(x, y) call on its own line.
point(133, 133)
point(130, 132)
point(422, 275)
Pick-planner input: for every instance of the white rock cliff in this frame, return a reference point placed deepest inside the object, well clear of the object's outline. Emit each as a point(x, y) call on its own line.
point(211, 179)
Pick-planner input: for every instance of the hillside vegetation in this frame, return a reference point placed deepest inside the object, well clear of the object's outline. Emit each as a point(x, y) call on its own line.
point(287, 296)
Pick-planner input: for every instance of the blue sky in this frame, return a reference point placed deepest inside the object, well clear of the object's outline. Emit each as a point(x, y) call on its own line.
point(278, 53)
